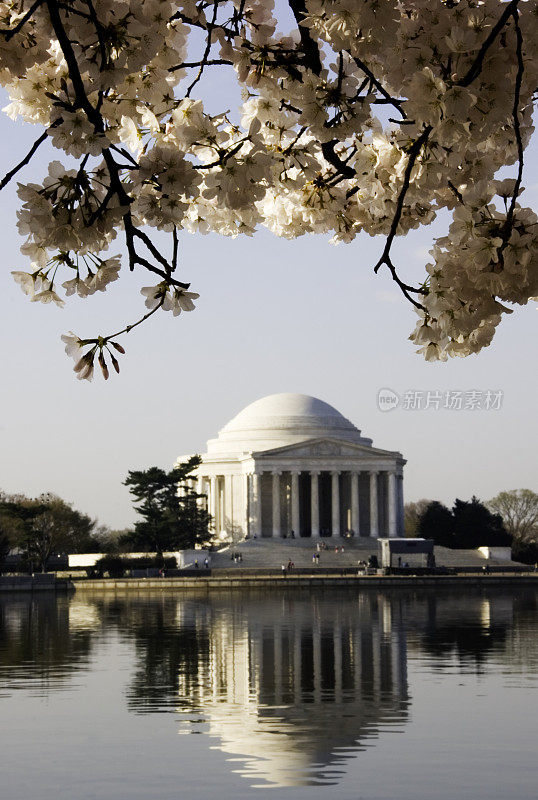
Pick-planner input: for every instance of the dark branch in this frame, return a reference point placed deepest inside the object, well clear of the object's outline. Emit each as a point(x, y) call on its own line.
point(310, 47)
point(210, 62)
point(476, 67)
point(327, 148)
point(26, 160)
point(116, 185)
point(207, 50)
point(515, 114)
point(379, 86)
point(414, 152)
point(11, 32)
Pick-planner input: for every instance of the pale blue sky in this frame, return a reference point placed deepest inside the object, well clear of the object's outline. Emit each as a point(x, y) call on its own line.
point(273, 316)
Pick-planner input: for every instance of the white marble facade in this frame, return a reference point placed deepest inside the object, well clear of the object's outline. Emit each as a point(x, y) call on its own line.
point(290, 462)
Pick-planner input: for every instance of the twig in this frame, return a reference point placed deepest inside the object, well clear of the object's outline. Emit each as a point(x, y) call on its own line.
point(11, 32)
point(476, 67)
point(380, 88)
point(211, 62)
point(209, 44)
point(515, 114)
point(414, 151)
point(129, 328)
point(26, 160)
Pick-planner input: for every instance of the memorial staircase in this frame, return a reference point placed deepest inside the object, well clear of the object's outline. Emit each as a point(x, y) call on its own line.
point(273, 553)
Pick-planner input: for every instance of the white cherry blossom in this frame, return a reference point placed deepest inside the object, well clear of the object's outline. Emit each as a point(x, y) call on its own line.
point(356, 117)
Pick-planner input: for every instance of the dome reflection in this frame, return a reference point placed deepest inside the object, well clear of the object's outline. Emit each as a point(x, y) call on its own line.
point(292, 688)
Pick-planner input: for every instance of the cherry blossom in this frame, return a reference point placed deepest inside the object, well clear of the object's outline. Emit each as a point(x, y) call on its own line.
point(356, 117)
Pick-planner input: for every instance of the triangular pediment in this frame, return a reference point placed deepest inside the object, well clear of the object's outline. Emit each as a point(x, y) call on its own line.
point(323, 448)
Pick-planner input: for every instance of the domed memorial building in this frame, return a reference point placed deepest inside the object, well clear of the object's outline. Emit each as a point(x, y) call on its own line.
point(292, 465)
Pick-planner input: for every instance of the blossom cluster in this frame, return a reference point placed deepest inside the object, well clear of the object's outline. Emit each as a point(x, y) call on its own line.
point(360, 117)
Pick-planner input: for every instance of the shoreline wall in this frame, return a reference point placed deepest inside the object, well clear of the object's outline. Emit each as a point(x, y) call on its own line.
point(240, 581)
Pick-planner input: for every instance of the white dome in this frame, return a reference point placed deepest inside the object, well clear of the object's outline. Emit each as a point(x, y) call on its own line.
point(282, 419)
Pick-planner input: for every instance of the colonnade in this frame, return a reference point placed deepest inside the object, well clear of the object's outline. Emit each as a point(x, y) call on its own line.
point(240, 506)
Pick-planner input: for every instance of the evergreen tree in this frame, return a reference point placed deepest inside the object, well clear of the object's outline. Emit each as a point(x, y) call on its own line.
point(468, 524)
point(525, 551)
point(172, 518)
point(436, 522)
point(476, 526)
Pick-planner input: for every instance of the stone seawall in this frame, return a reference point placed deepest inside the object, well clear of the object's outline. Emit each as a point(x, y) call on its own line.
point(240, 580)
point(29, 583)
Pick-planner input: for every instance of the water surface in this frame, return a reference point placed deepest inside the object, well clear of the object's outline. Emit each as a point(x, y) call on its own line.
point(398, 694)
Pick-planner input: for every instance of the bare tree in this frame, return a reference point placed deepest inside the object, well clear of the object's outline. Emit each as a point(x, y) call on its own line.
point(412, 513)
point(519, 510)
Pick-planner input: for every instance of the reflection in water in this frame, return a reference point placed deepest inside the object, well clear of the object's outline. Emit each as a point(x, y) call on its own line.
point(456, 640)
point(295, 686)
point(42, 641)
point(289, 685)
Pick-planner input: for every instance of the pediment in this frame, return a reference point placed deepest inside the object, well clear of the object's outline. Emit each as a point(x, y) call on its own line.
point(323, 448)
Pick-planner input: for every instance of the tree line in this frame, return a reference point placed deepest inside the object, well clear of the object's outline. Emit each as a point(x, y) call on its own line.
point(170, 518)
point(508, 520)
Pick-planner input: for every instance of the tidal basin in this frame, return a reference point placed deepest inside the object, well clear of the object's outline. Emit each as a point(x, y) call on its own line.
point(403, 693)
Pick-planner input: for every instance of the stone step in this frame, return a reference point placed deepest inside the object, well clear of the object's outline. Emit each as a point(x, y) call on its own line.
point(273, 553)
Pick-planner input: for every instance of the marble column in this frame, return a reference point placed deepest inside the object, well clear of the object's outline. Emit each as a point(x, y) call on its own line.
point(335, 503)
point(314, 504)
point(256, 505)
point(374, 524)
point(228, 506)
point(355, 520)
point(295, 508)
point(393, 504)
point(400, 522)
point(246, 505)
point(276, 504)
point(213, 507)
point(201, 500)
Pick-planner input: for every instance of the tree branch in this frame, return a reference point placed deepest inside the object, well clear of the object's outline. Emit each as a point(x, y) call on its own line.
point(11, 32)
point(379, 86)
point(476, 67)
point(414, 151)
point(26, 160)
point(94, 116)
point(515, 115)
point(310, 47)
point(207, 50)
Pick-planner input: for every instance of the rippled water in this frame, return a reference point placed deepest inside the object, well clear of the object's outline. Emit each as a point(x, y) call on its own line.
point(347, 694)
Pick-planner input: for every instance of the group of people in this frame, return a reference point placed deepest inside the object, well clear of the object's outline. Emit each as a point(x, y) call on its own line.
point(325, 532)
point(237, 557)
point(197, 565)
point(323, 546)
point(372, 563)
